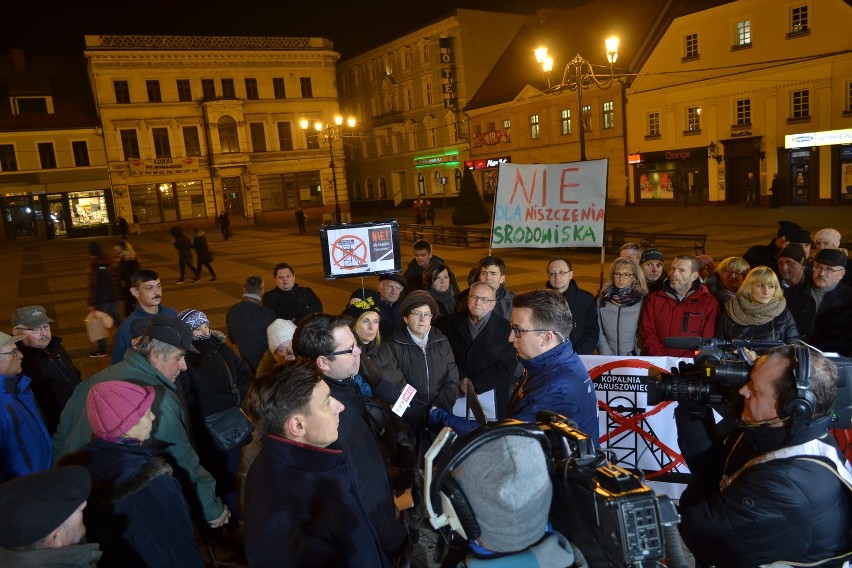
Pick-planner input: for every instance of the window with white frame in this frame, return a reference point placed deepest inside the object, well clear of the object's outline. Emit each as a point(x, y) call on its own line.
point(743, 32)
point(799, 19)
point(535, 127)
point(690, 46)
point(801, 104)
point(693, 119)
point(608, 110)
point(653, 124)
point(743, 112)
point(565, 121)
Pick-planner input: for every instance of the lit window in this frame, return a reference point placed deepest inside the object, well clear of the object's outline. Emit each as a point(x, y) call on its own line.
point(608, 114)
point(799, 19)
point(743, 112)
point(565, 121)
point(535, 131)
point(744, 32)
point(653, 124)
point(693, 119)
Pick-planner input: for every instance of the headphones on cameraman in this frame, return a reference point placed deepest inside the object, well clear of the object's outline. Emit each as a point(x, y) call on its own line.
point(446, 503)
point(799, 407)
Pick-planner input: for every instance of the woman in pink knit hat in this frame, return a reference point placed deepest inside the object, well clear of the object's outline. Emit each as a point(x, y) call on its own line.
point(137, 512)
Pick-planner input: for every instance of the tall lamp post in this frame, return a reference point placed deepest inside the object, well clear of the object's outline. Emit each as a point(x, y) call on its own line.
point(579, 74)
point(330, 132)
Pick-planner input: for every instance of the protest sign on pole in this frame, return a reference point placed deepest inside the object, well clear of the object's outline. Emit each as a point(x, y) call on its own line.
point(550, 205)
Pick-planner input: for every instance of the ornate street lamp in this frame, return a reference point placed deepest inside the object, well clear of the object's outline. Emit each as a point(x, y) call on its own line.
point(330, 132)
point(579, 74)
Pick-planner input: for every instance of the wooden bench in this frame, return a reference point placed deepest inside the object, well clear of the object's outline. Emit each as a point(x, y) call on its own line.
point(697, 241)
point(616, 237)
point(449, 235)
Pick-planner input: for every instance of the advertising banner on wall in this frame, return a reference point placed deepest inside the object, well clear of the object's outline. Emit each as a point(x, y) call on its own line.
point(550, 205)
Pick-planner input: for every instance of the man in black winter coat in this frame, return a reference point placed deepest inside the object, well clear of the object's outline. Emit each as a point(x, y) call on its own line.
point(479, 340)
point(327, 340)
point(822, 308)
point(247, 321)
point(46, 362)
point(584, 335)
point(766, 255)
point(288, 300)
point(776, 489)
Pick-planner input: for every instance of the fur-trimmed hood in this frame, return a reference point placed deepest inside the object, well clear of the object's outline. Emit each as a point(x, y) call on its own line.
point(116, 474)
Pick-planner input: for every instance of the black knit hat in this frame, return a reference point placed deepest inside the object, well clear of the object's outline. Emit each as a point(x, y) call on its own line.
point(788, 228)
point(35, 505)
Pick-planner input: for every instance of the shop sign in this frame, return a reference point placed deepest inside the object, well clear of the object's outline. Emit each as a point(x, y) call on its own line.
point(824, 138)
point(485, 163)
point(163, 166)
point(448, 78)
point(434, 160)
point(490, 138)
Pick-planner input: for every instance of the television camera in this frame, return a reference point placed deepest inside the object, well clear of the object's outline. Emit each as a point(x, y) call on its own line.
point(721, 368)
point(605, 510)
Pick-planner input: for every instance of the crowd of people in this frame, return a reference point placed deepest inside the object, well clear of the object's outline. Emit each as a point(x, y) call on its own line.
point(345, 405)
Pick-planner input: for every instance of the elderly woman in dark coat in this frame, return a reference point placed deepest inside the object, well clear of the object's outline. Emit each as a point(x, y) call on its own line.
point(422, 354)
point(218, 378)
point(137, 511)
point(758, 312)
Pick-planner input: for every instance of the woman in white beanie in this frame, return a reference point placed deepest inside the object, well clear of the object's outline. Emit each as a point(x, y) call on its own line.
point(279, 334)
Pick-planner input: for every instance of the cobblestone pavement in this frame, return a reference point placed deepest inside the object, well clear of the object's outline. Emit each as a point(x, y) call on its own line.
point(54, 273)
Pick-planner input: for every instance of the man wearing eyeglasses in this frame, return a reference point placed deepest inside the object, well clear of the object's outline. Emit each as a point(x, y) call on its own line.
point(485, 360)
point(585, 331)
point(823, 308)
point(327, 340)
point(493, 272)
point(554, 377)
point(46, 362)
point(24, 439)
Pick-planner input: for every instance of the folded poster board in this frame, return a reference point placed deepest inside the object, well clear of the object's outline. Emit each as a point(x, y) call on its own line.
point(360, 249)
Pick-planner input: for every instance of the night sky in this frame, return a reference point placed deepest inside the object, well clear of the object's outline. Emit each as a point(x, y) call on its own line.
point(58, 26)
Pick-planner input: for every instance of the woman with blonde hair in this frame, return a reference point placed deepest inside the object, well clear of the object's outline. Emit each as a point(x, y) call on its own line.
point(619, 307)
point(727, 278)
point(758, 312)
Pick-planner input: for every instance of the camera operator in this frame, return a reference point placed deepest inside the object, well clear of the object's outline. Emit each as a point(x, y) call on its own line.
point(775, 489)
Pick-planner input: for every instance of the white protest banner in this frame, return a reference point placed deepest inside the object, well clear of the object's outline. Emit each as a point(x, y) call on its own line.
point(550, 205)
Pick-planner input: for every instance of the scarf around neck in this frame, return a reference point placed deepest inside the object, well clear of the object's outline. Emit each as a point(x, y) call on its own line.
point(622, 296)
point(745, 312)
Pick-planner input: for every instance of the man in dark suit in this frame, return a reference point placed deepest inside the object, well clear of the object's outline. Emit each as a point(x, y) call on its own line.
point(479, 340)
point(247, 321)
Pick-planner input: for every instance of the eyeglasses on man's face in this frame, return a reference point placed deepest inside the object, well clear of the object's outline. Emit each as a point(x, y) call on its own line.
point(518, 331)
point(421, 315)
point(480, 299)
point(559, 273)
point(342, 352)
point(826, 269)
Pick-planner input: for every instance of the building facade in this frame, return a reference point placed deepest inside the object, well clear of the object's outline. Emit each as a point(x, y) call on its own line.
point(53, 175)
point(197, 126)
point(408, 95)
point(523, 115)
point(753, 86)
